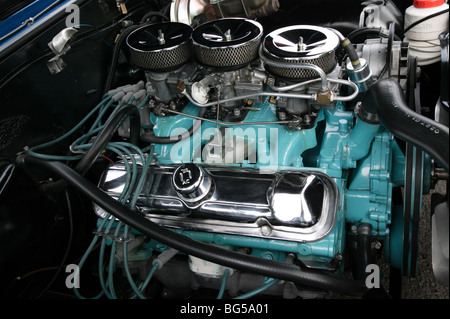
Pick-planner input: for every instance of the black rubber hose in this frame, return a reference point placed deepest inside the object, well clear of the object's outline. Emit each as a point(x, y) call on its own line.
point(352, 54)
point(347, 46)
point(387, 98)
point(154, 14)
point(366, 31)
point(248, 263)
point(127, 110)
point(135, 126)
point(363, 249)
point(118, 46)
point(152, 138)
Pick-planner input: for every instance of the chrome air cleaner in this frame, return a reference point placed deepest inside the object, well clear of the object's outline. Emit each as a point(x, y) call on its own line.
point(160, 47)
point(300, 44)
point(228, 43)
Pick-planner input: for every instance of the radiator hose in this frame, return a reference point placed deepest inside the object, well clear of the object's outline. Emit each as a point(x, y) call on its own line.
point(248, 263)
point(386, 98)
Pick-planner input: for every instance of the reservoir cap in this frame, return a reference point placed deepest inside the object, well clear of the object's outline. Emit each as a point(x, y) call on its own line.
point(428, 3)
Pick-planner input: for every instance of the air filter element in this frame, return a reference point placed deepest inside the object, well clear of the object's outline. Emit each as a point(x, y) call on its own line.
point(300, 44)
point(229, 43)
point(160, 47)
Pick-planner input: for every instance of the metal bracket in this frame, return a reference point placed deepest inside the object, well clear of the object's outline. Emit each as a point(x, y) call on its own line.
point(60, 46)
point(119, 238)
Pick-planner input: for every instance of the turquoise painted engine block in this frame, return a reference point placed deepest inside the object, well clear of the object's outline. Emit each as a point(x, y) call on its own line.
point(363, 160)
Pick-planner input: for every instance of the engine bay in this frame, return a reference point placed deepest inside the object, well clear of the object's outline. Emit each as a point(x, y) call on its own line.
point(224, 149)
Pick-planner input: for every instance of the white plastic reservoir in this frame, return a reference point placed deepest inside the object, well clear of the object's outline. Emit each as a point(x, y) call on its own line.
point(423, 37)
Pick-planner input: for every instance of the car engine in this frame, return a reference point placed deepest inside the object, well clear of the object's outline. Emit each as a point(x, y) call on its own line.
point(234, 149)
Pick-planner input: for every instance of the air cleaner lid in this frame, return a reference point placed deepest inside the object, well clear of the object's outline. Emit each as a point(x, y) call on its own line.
point(300, 42)
point(227, 32)
point(159, 36)
point(160, 47)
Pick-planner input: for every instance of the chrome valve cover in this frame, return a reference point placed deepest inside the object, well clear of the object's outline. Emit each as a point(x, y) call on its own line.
point(296, 206)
